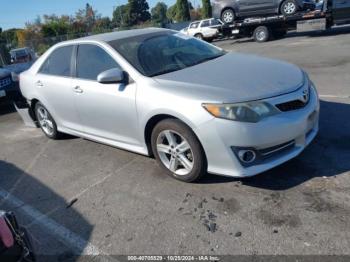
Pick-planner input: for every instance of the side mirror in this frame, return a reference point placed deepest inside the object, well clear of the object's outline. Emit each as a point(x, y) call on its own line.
point(114, 75)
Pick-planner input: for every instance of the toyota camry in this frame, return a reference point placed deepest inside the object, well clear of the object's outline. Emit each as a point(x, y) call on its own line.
point(193, 106)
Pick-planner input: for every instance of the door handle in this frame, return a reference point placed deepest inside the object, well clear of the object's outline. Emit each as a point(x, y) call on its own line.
point(39, 83)
point(77, 89)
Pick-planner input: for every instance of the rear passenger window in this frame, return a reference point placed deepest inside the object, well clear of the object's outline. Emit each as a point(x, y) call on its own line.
point(93, 60)
point(59, 62)
point(205, 23)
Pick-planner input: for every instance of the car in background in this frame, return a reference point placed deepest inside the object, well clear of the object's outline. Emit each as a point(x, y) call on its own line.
point(21, 60)
point(230, 10)
point(207, 29)
point(7, 85)
point(192, 105)
point(22, 55)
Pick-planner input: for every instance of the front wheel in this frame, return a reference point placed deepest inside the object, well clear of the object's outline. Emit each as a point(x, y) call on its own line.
point(46, 121)
point(289, 7)
point(199, 36)
point(228, 16)
point(178, 150)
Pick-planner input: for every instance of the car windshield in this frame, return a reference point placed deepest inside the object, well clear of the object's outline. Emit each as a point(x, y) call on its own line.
point(163, 52)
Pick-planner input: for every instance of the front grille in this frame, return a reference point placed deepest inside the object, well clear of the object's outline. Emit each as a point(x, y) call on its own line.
point(291, 105)
point(5, 82)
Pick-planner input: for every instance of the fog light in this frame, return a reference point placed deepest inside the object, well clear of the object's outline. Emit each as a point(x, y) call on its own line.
point(246, 156)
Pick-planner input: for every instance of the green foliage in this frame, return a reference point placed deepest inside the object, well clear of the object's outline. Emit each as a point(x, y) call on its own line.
point(138, 12)
point(206, 9)
point(10, 37)
point(182, 11)
point(42, 48)
point(171, 12)
point(120, 16)
point(159, 13)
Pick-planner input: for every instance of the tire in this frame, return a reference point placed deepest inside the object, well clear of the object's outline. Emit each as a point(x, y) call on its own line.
point(228, 16)
point(288, 7)
point(166, 137)
point(199, 36)
point(46, 121)
point(261, 34)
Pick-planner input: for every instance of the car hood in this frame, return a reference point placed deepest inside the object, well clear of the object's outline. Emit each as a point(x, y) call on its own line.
point(19, 68)
point(4, 72)
point(235, 77)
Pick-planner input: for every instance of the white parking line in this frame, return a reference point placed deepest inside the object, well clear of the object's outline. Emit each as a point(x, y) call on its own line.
point(27, 170)
point(67, 237)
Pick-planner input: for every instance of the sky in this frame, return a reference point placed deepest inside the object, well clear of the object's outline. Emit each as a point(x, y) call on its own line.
point(15, 13)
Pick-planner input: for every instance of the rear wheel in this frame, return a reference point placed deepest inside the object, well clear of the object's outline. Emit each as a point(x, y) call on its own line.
point(46, 122)
point(261, 34)
point(228, 16)
point(178, 150)
point(289, 7)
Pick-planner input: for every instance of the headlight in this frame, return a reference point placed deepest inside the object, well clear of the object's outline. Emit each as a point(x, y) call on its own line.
point(245, 112)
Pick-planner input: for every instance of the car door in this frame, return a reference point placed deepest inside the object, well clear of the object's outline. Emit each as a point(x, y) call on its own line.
point(107, 111)
point(253, 7)
point(206, 30)
point(54, 81)
point(193, 29)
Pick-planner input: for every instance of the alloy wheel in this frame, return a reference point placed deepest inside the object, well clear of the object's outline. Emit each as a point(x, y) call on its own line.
point(175, 152)
point(45, 120)
point(289, 8)
point(228, 17)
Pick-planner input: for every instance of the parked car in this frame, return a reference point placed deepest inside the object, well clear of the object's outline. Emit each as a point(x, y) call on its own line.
point(22, 55)
point(192, 105)
point(7, 85)
point(207, 29)
point(230, 10)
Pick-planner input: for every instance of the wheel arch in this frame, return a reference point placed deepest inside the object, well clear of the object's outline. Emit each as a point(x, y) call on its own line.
point(154, 120)
point(33, 102)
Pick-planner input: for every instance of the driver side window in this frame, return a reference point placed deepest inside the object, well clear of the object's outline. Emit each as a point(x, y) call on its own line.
point(93, 60)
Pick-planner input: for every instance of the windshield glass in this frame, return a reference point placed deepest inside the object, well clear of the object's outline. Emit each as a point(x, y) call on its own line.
point(163, 52)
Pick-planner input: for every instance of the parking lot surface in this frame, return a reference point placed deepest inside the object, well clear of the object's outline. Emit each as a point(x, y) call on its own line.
point(80, 197)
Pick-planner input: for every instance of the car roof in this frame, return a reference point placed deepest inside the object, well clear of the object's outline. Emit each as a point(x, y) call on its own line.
point(198, 21)
point(19, 49)
point(107, 37)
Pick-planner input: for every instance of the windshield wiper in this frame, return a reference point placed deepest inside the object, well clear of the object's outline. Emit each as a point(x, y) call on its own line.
point(164, 72)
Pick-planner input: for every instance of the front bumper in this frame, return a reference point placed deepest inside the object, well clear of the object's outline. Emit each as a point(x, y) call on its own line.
point(219, 137)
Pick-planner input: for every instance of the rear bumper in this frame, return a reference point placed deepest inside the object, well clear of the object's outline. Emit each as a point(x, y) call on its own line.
point(219, 138)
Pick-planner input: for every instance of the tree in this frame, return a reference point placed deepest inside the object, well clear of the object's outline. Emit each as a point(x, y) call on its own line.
point(138, 12)
point(171, 12)
point(159, 13)
point(101, 25)
point(87, 16)
point(182, 11)
point(120, 16)
point(206, 9)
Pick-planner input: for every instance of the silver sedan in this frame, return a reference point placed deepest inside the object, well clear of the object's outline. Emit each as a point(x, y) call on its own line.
point(191, 105)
